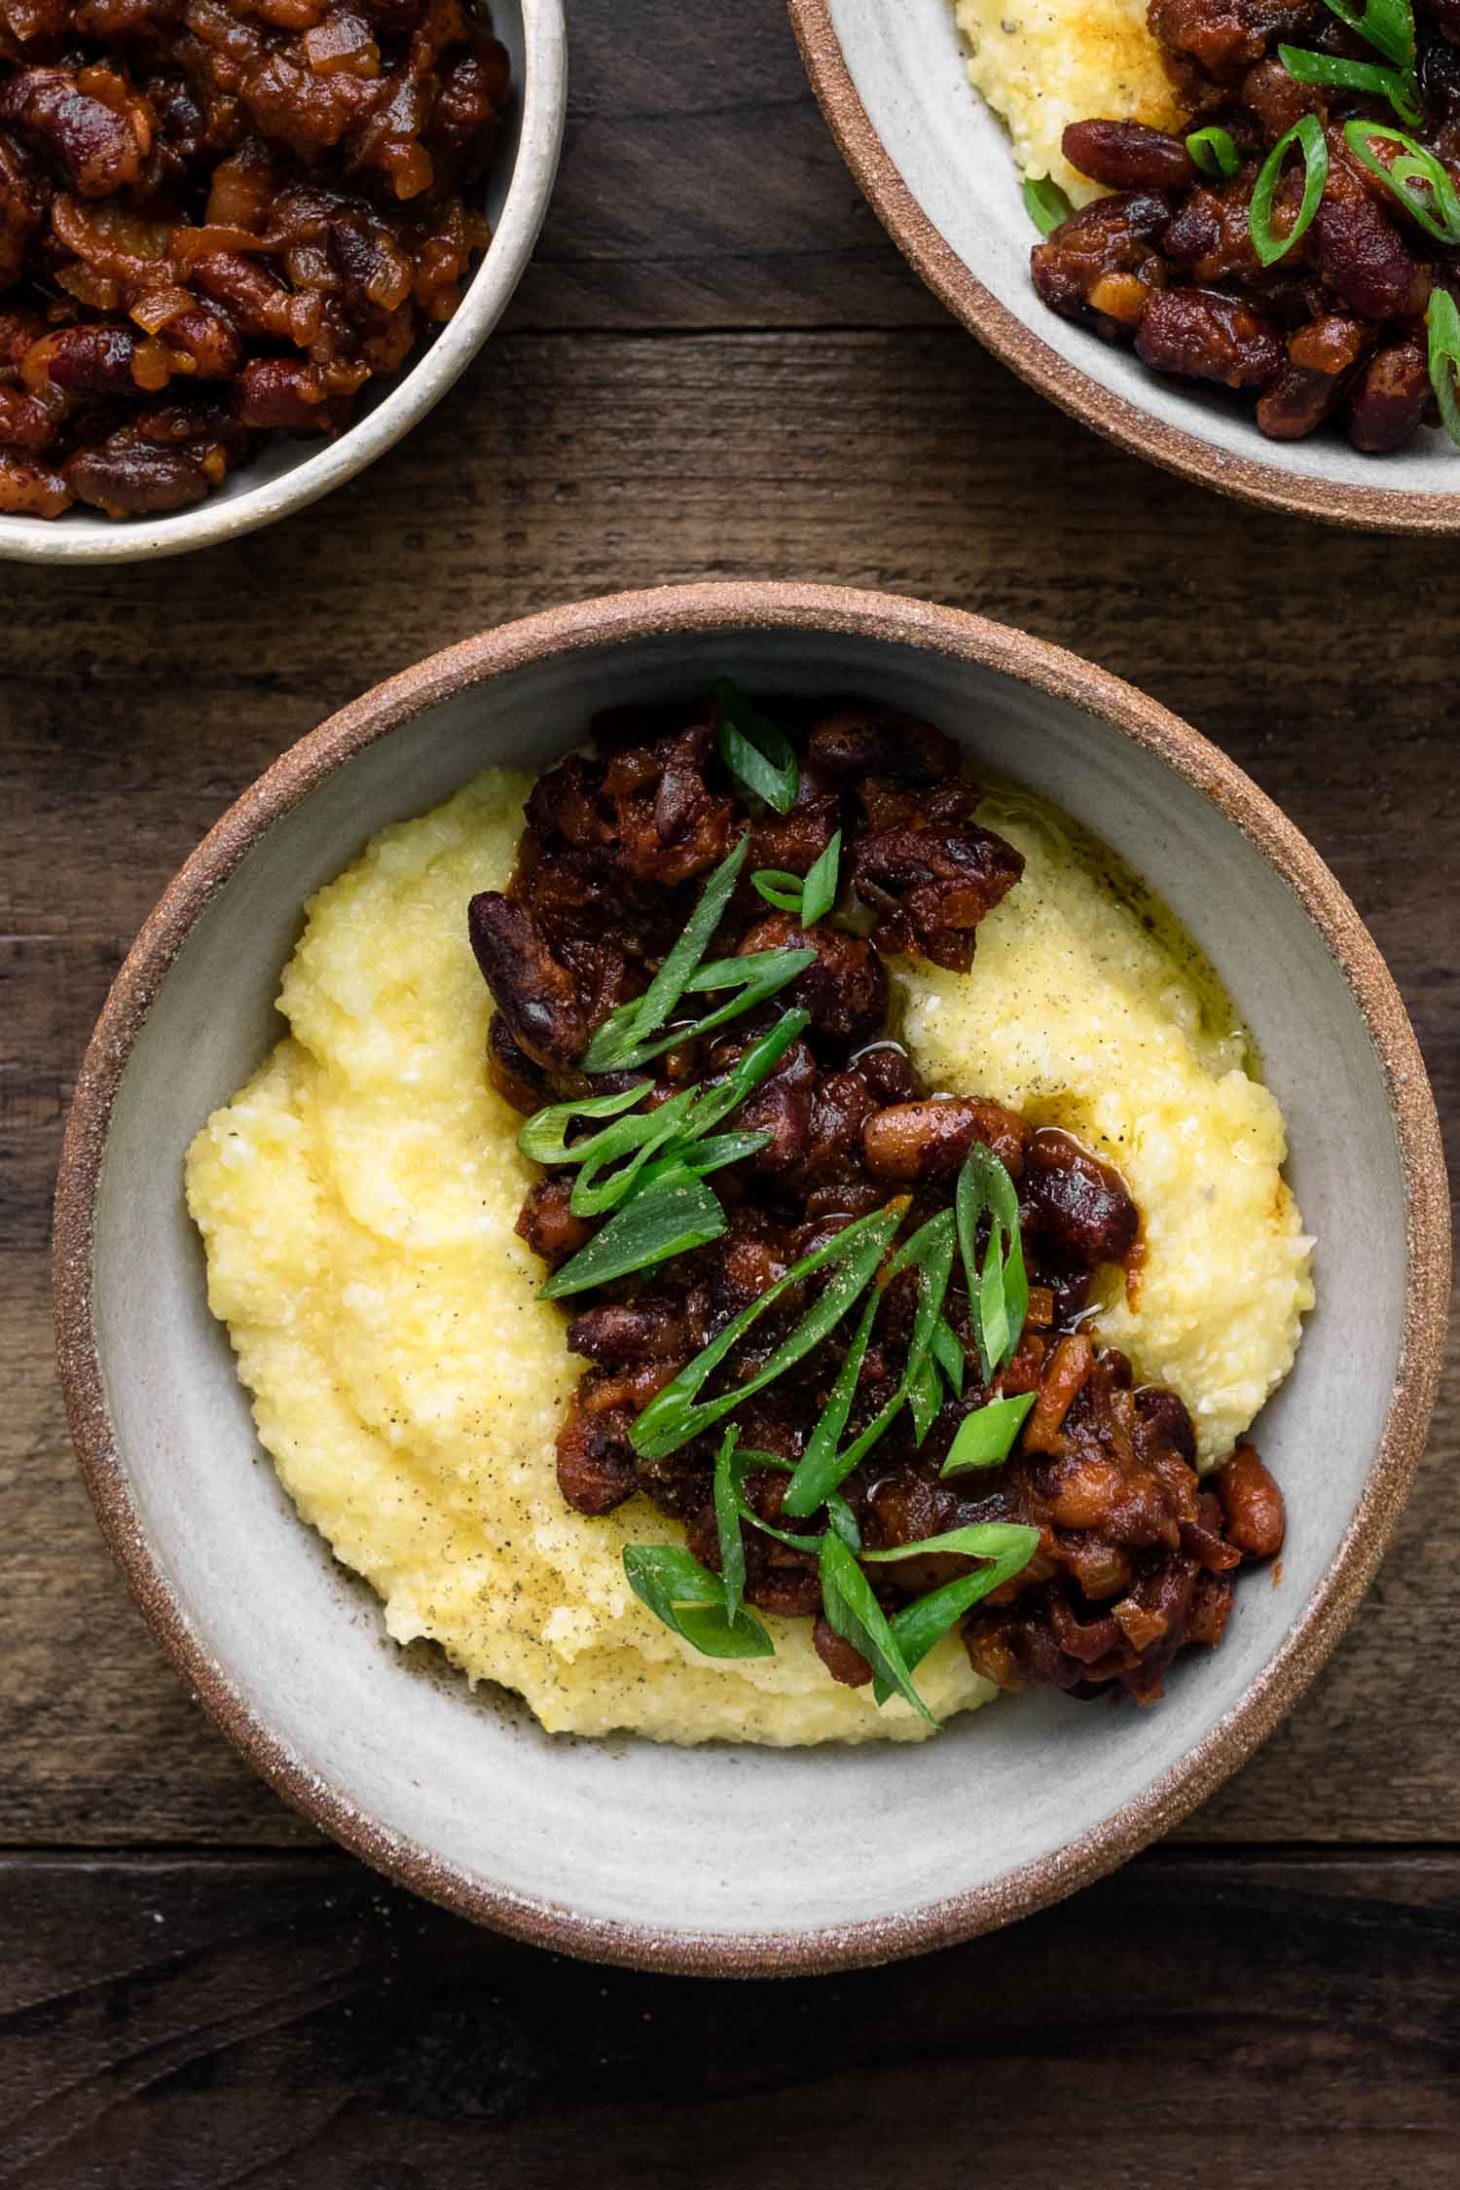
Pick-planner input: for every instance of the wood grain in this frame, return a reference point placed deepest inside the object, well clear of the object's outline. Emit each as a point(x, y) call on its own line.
point(699, 186)
point(178, 2022)
point(140, 701)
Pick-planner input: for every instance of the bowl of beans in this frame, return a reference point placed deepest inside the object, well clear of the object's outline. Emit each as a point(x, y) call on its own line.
point(244, 250)
point(674, 1754)
point(1225, 236)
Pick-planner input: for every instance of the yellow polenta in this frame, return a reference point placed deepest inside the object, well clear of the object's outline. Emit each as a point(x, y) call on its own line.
point(358, 1198)
point(1043, 63)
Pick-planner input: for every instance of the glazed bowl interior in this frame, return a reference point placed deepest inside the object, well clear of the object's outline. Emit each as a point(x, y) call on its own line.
point(714, 1857)
point(932, 155)
point(287, 473)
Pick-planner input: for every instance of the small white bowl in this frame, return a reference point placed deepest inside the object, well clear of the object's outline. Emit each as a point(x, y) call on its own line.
point(286, 474)
point(937, 167)
point(718, 1858)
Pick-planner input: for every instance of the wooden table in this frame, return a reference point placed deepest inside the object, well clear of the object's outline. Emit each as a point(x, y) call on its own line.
point(717, 366)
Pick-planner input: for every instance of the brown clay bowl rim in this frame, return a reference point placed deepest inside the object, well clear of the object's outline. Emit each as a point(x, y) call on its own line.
point(623, 619)
point(1358, 508)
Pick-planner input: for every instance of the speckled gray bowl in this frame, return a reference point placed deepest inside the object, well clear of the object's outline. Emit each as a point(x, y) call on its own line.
point(937, 167)
point(286, 474)
point(725, 1859)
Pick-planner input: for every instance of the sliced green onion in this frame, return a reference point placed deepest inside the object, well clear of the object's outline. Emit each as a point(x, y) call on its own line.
point(986, 1437)
point(853, 1611)
point(1328, 69)
point(918, 1626)
point(1386, 24)
point(716, 1099)
point(624, 1031)
point(754, 750)
point(756, 978)
point(670, 1217)
point(718, 1149)
point(671, 1418)
point(930, 1253)
point(998, 1291)
point(1417, 178)
point(819, 894)
point(838, 1512)
point(608, 1171)
point(727, 1524)
point(544, 1138)
point(1307, 135)
point(808, 896)
point(779, 888)
point(980, 1540)
point(692, 1602)
point(817, 1475)
point(1045, 203)
point(1442, 320)
point(1214, 152)
point(950, 1357)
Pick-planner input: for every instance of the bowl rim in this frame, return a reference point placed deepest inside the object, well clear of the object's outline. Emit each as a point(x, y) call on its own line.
point(613, 621)
point(1374, 508)
point(411, 395)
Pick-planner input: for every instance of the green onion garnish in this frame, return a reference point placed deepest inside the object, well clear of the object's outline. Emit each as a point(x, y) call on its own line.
point(779, 888)
point(545, 1136)
point(1386, 24)
point(950, 1357)
point(811, 896)
point(852, 1609)
point(755, 980)
point(605, 1178)
point(1045, 203)
point(693, 1602)
point(817, 1475)
point(727, 1523)
point(1307, 135)
point(986, 1437)
point(819, 895)
point(754, 750)
point(671, 1418)
point(1214, 152)
point(735, 1469)
point(1417, 178)
point(677, 1212)
point(918, 1626)
point(614, 1046)
point(1442, 320)
point(998, 1289)
point(1326, 68)
point(823, 1467)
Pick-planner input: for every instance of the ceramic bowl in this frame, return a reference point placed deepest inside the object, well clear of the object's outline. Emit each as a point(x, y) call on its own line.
point(936, 165)
point(287, 474)
point(724, 1858)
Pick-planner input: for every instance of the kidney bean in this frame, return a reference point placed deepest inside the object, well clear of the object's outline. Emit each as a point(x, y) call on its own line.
point(130, 479)
point(1203, 335)
point(31, 490)
point(1390, 397)
point(1116, 235)
point(1360, 250)
point(930, 1140)
point(1128, 156)
point(1252, 1503)
point(1077, 1202)
point(97, 149)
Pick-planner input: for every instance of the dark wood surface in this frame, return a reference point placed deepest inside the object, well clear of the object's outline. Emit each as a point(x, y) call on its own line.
point(717, 365)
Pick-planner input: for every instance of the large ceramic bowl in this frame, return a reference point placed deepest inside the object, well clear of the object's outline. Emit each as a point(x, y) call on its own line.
point(729, 1859)
point(937, 167)
point(286, 474)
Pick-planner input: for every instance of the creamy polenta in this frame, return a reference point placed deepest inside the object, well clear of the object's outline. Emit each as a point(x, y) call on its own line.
point(1043, 63)
point(358, 1198)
